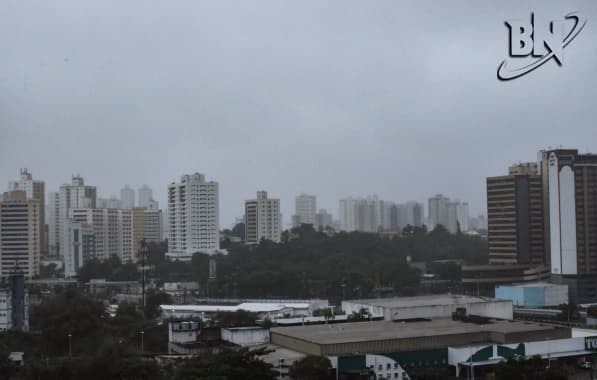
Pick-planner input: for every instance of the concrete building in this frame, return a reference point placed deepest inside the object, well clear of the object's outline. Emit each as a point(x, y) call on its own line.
point(482, 279)
point(193, 217)
point(435, 306)
point(145, 196)
point(538, 294)
point(270, 309)
point(20, 245)
point(113, 230)
point(515, 217)
point(438, 211)
point(361, 214)
point(399, 350)
point(73, 195)
point(127, 197)
point(111, 202)
point(453, 215)
point(323, 219)
point(246, 336)
point(305, 207)
point(36, 190)
point(262, 219)
point(570, 221)
point(80, 247)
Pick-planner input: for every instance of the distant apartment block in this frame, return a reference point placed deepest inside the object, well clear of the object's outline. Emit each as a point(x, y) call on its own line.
point(193, 217)
point(453, 215)
point(262, 219)
point(73, 195)
point(127, 197)
point(34, 189)
point(305, 207)
point(20, 245)
point(113, 230)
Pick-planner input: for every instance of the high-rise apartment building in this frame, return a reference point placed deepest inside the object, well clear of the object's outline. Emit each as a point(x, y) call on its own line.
point(361, 214)
point(147, 225)
point(453, 215)
point(193, 217)
point(438, 211)
point(305, 207)
point(127, 197)
point(145, 196)
point(262, 219)
point(323, 219)
point(34, 189)
point(20, 242)
point(113, 231)
point(570, 219)
point(515, 217)
point(111, 202)
point(74, 195)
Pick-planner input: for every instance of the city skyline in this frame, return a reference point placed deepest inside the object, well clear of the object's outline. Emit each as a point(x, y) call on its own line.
point(319, 101)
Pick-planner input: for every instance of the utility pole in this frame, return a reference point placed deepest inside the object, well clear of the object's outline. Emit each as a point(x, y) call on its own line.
point(143, 252)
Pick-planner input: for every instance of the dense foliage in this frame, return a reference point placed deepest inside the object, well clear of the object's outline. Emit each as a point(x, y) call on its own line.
point(308, 263)
point(311, 368)
point(528, 369)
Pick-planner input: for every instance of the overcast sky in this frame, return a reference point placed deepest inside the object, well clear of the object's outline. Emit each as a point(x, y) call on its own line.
point(334, 98)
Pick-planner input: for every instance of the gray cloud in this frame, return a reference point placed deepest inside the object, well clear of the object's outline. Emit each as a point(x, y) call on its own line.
point(337, 98)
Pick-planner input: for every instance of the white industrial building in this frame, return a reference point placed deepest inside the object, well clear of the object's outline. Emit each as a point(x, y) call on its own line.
point(193, 217)
point(435, 306)
point(246, 336)
point(264, 309)
point(538, 294)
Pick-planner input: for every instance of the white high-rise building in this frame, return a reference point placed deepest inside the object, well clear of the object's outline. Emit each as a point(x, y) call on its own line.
point(262, 219)
point(127, 197)
point(361, 214)
point(19, 228)
point(193, 217)
point(145, 196)
point(438, 211)
point(305, 207)
point(74, 195)
point(111, 202)
point(34, 189)
point(453, 215)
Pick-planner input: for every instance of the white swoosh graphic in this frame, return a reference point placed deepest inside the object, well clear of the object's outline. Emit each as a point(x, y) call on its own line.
point(504, 73)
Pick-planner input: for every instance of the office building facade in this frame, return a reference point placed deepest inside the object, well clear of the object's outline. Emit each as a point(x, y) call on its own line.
point(20, 243)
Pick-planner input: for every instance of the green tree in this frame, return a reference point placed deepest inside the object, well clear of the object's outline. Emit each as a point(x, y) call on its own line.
point(70, 312)
point(226, 365)
point(311, 368)
point(153, 300)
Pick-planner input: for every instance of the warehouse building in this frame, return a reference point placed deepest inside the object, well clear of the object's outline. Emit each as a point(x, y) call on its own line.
point(434, 306)
point(396, 350)
point(538, 294)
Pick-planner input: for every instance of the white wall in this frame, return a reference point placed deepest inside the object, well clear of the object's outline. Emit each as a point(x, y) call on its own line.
point(246, 337)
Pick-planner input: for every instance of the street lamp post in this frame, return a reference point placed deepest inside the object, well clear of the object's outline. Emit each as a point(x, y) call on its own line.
point(142, 333)
point(70, 348)
point(280, 362)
